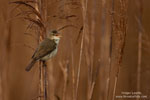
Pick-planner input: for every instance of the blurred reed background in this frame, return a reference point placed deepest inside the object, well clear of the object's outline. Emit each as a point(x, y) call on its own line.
point(104, 54)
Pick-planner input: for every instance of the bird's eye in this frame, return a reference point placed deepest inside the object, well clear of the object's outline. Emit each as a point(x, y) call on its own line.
point(54, 31)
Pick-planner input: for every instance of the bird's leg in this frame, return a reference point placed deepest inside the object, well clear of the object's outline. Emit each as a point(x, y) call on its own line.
point(44, 63)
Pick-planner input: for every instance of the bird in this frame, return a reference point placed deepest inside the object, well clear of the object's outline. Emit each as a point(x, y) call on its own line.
point(46, 50)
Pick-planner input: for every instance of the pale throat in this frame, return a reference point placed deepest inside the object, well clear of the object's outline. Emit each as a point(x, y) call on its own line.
point(57, 40)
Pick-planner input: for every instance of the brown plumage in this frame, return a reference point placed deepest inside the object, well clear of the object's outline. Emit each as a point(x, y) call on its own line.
point(46, 47)
point(46, 50)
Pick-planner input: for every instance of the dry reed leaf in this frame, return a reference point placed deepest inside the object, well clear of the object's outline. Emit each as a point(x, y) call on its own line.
point(81, 29)
point(37, 22)
point(31, 11)
point(66, 27)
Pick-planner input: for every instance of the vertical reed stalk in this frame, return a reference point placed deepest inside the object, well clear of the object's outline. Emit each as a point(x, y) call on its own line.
point(80, 59)
point(105, 49)
point(41, 84)
point(120, 28)
point(84, 8)
point(92, 75)
point(139, 21)
point(114, 90)
point(65, 74)
point(110, 52)
point(43, 7)
point(45, 79)
point(73, 73)
point(39, 64)
point(96, 72)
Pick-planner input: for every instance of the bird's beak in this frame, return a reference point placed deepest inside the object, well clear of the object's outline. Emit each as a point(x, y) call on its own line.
point(59, 36)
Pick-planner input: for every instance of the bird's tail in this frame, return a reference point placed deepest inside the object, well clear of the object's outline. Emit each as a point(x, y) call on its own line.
point(28, 68)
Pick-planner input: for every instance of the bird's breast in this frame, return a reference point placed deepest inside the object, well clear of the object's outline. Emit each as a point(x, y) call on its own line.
point(50, 55)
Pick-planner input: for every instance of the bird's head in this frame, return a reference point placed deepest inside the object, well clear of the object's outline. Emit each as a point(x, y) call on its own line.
point(54, 35)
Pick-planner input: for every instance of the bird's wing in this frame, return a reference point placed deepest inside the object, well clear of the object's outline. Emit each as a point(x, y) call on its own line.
point(45, 47)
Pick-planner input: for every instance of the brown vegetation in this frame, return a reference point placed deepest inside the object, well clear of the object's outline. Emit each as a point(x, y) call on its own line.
point(104, 50)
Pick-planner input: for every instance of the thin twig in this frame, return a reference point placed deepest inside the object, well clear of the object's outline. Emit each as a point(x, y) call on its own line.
point(66, 27)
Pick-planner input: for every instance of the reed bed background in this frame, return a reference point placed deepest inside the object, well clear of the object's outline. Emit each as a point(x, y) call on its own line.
point(104, 49)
